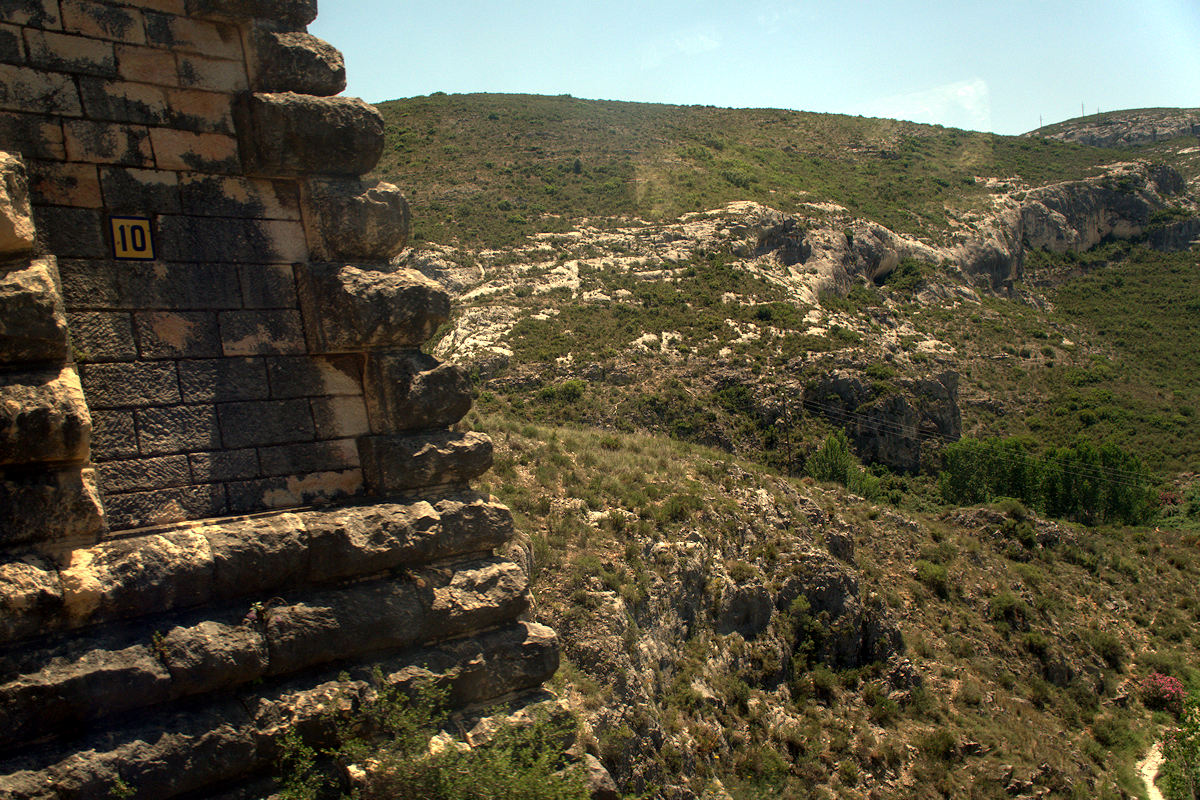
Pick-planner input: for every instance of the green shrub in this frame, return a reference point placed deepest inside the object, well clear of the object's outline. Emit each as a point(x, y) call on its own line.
point(935, 576)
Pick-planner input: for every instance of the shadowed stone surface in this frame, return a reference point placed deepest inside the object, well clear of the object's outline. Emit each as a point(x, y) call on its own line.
point(408, 390)
point(290, 61)
point(43, 417)
point(355, 221)
point(396, 464)
point(33, 324)
point(293, 134)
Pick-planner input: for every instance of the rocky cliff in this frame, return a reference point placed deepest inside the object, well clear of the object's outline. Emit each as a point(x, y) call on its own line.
point(198, 321)
point(1126, 128)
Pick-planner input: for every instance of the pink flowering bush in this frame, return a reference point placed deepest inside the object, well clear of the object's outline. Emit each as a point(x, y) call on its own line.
point(1163, 693)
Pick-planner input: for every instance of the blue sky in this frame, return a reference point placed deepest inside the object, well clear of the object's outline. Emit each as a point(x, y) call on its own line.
point(982, 65)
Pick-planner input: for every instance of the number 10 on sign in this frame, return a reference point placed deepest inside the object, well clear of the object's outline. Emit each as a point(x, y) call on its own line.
point(132, 238)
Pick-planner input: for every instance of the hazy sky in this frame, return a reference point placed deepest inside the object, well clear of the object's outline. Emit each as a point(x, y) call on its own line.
point(978, 64)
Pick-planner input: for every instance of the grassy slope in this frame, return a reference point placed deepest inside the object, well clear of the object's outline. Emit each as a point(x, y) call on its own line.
point(1025, 652)
point(489, 169)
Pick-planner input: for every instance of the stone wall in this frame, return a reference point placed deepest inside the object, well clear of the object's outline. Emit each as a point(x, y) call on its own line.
point(198, 320)
point(225, 375)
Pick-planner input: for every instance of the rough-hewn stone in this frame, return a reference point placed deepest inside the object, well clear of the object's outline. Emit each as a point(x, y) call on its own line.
point(59, 506)
point(292, 134)
point(295, 12)
point(33, 325)
point(397, 463)
point(408, 390)
point(292, 61)
point(348, 309)
point(355, 221)
point(43, 417)
point(16, 219)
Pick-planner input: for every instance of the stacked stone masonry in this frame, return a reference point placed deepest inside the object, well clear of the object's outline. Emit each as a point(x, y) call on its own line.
point(199, 322)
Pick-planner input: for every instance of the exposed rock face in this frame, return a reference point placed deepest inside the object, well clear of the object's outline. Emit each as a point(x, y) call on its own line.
point(889, 425)
point(1125, 128)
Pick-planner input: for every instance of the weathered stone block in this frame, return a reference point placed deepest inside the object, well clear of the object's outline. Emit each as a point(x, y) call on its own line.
point(125, 285)
point(76, 687)
point(71, 232)
point(256, 555)
point(396, 464)
point(140, 191)
point(223, 380)
point(124, 385)
point(186, 150)
point(347, 309)
point(265, 423)
point(35, 13)
point(16, 217)
point(295, 12)
point(43, 417)
point(294, 134)
point(212, 656)
point(238, 241)
point(34, 136)
point(141, 474)
point(340, 417)
point(127, 578)
point(261, 332)
point(29, 594)
point(146, 65)
point(177, 429)
point(373, 617)
point(177, 334)
point(292, 61)
point(50, 506)
point(108, 143)
point(121, 101)
point(212, 74)
point(99, 21)
point(65, 184)
point(268, 286)
point(407, 390)
point(234, 196)
point(61, 52)
point(33, 324)
point(102, 336)
point(292, 459)
point(214, 39)
point(12, 46)
point(113, 435)
point(306, 376)
point(349, 220)
point(24, 89)
point(226, 465)
point(316, 488)
point(200, 111)
point(158, 507)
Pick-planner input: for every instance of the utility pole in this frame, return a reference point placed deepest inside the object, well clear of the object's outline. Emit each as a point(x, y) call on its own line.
point(1082, 110)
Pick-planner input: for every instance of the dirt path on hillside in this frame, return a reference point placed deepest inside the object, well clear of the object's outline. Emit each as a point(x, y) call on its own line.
point(1148, 769)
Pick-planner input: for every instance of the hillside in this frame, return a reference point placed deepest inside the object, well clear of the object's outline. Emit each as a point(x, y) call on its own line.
point(1126, 128)
point(667, 311)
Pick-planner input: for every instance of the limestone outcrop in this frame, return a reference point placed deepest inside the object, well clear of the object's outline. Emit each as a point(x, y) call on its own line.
point(1126, 128)
point(230, 497)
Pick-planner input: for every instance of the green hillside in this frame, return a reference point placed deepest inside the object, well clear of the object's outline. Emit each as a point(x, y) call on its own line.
point(487, 169)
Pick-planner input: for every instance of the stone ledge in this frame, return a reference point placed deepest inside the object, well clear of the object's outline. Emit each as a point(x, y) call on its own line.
point(16, 217)
point(290, 61)
point(172, 752)
point(285, 134)
point(43, 418)
point(407, 391)
point(44, 690)
point(396, 464)
point(33, 323)
point(351, 220)
point(222, 561)
point(348, 310)
point(294, 12)
point(61, 507)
